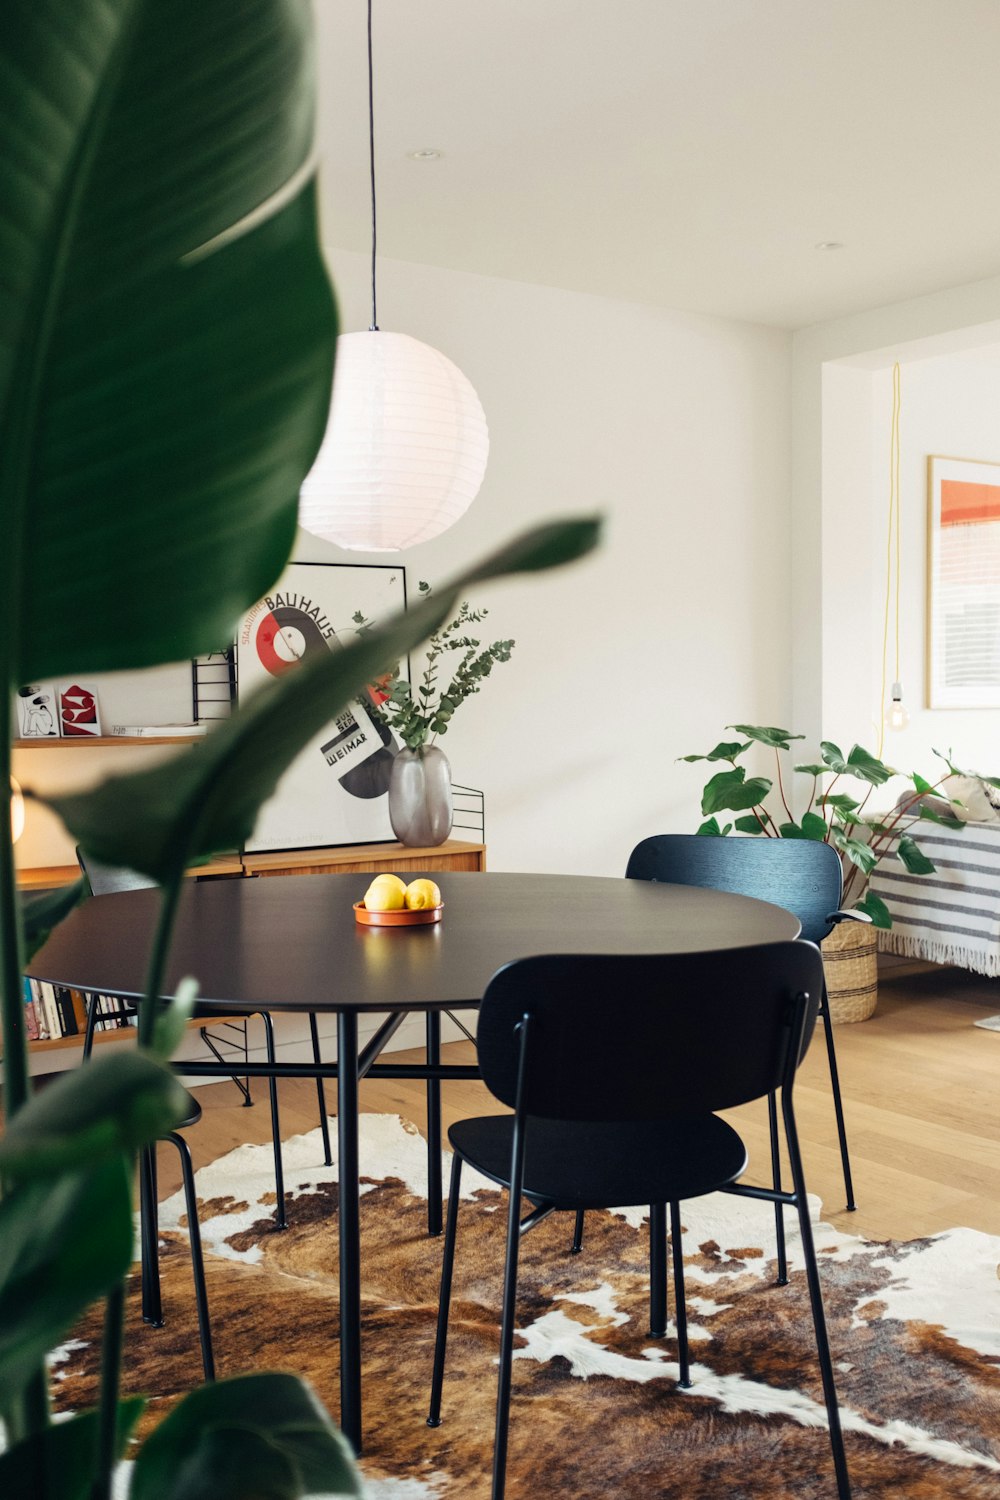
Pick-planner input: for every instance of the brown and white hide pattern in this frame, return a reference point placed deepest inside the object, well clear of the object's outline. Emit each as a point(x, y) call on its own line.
point(914, 1328)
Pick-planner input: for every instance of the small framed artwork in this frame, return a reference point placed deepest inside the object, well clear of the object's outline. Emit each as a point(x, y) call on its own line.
point(336, 790)
point(38, 712)
point(79, 716)
point(963, 594)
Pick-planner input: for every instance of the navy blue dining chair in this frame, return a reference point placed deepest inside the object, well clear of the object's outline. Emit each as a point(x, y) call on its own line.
point(803, 876)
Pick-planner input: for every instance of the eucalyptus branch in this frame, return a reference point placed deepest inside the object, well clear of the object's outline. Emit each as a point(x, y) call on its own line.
point(419, 716)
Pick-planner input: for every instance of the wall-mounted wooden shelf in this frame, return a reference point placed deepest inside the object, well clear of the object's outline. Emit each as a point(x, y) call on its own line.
point(47, 877)
point(75, 742)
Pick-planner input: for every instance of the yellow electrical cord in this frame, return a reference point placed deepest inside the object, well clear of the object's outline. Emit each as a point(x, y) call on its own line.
point(893, 526)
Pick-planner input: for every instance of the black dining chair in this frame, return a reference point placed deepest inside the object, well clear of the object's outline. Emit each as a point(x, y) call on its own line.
point(801, 875)
point(152, 1308)
point(106, 880)
point(610, 1116)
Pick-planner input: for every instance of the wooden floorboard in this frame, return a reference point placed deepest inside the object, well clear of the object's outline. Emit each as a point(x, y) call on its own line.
point(921, 1087)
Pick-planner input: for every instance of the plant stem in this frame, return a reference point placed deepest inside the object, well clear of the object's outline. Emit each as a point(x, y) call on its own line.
point(781, 787)
point(16, 1085)
point(158, 956)
point(111, 1366)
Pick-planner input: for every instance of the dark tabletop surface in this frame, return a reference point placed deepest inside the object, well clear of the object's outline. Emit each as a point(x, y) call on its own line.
point(293, 943)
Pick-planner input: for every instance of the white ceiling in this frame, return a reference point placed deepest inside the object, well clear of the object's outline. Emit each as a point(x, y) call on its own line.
point(685, 153)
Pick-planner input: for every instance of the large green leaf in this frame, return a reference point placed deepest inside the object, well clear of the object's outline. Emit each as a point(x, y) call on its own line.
point(913, 857)
point(812, 827)
point(860, 763)
point(207, 798)
point(256, 1437)
point(876, 909)
point(840, 802)
point(731, 791)
point(941, 815)
point(58, 1463)
point(858, 852)
point(114, 1104)
point(166, 323)
point(711, 829)
point(767, 734)
point(62, 1244)
point(725, 750)
point(749, 825)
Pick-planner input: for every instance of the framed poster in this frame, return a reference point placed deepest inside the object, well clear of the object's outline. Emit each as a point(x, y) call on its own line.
point(336, 790)
point(963, 594)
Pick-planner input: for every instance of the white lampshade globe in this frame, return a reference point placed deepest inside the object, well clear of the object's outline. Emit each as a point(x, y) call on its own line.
point(405, 449)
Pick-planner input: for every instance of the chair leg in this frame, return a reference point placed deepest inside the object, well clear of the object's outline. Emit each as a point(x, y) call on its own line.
point(657, 1270)
point(577, 1244)
point(197, 1257)
point(818, 1315)
point(444, 1305)
point(507, 1337)
point(680, 1305)
point(433, 1055)
point(281, 1221)
point(324, 1123)
point(838, 1103)
point(779, 1211)
point(88, 1035)
point(152, 1305)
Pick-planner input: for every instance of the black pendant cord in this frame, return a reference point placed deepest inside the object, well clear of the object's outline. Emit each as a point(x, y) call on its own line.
point(371, 160)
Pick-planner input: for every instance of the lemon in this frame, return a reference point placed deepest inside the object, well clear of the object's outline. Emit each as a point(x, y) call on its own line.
point(420, 894)
point(386, 893)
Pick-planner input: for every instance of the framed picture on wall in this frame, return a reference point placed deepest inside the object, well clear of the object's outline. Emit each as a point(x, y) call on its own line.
point(336, 790)
point(963, 596)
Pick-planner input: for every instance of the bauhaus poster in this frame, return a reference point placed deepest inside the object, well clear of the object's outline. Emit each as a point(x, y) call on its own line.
point(336, 790)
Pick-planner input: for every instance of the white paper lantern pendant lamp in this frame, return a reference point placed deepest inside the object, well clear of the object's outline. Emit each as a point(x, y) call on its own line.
point(406, 446)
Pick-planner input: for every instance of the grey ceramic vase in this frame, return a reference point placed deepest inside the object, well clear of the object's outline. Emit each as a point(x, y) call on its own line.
point(420, 807)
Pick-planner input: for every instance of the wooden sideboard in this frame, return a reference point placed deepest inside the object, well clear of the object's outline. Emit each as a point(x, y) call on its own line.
point(451, 855)
point(368, 858)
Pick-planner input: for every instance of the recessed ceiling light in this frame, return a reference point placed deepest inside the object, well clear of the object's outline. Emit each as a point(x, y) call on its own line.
point(428, 153)
point(830, 245)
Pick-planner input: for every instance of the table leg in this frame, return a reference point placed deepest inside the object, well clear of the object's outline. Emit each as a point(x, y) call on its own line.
point(434, 1186)
point(350, 1234)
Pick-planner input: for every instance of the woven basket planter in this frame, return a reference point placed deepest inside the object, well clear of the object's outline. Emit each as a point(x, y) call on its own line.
point(851, 965)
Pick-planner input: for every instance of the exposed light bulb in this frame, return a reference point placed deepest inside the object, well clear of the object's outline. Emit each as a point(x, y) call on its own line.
point(897, 715)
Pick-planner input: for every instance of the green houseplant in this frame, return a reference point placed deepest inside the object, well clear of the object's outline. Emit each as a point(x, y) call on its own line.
point(155, 428)
point(838, 790)
point(420, 806)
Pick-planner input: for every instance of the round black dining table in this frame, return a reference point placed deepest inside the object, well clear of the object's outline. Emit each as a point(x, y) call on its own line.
point(293, 944)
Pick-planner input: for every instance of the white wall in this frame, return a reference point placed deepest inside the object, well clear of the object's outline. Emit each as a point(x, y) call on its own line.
point(838, 514)
point(677, 428)
point(842, 407)
point(950, 406)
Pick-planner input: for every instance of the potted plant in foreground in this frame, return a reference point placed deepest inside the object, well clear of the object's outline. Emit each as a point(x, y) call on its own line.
point(152, 442)
point(838, 790)
point(420, 806)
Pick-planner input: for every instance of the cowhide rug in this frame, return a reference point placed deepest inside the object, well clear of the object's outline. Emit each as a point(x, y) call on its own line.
point(914, 1326)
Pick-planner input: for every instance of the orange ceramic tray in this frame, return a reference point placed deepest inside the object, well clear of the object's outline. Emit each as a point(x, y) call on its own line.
point(401, 918)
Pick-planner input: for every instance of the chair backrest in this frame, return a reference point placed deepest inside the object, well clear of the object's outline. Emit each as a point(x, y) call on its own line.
point(648, 1036)
point(106, 880)
point(802, 875)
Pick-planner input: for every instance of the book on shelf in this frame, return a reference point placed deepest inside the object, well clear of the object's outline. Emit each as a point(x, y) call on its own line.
point(54, 1010)
point(30, 1013)
point(156, 731)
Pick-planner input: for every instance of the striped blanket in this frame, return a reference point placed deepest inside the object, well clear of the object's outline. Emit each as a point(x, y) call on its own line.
point(952, 916)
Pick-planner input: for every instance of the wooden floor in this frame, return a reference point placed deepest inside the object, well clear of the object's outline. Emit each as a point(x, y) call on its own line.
point(921, 1088)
